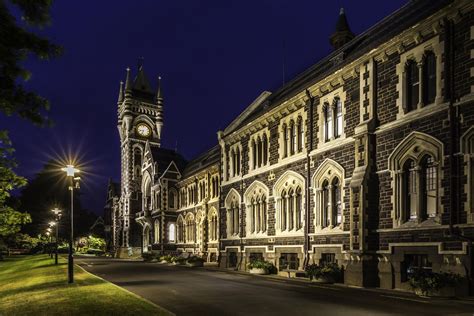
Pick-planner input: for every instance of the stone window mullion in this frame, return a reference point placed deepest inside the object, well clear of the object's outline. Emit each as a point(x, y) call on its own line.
point(421, 83)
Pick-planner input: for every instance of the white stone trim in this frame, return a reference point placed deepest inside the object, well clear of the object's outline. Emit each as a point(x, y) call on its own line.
point(249, 193)
point(293, 117)
point(414, 146)
point(327, 170)
point(329, 98)
point(289, 179)
point(441, 250)
point(435, 45)
point(254, 138)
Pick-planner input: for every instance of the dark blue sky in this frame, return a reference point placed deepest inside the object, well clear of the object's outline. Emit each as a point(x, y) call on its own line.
point(215, 57)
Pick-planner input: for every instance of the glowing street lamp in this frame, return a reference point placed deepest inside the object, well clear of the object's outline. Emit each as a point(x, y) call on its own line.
point(70, 172)
point(56, 212)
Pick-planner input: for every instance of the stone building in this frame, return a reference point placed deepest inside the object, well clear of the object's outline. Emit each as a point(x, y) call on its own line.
point(364, 159)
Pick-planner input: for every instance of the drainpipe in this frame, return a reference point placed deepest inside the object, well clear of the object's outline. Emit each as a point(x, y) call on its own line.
point(308, 180)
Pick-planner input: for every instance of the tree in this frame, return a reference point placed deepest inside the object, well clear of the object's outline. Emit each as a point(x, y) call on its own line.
point(10, 219)
point(16, 44)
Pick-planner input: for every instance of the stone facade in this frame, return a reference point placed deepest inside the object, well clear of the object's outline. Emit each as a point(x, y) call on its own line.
point(364, 160)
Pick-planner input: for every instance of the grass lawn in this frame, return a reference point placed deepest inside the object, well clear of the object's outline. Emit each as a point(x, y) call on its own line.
point(33, 285)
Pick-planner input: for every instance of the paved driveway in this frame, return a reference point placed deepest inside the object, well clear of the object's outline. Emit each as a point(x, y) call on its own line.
point(198, 291)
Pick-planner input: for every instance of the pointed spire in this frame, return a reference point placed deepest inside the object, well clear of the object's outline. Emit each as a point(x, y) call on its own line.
point(343, 33)
point(128, 83)
point(120, 97)
point(159, 93)
point(141, 82)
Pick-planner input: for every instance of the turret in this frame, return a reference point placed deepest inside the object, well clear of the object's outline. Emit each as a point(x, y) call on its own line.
point(342, 34)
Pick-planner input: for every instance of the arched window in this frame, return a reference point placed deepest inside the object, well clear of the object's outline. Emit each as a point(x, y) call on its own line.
point(429, 78)
point(232, 202)
point(190, 228)
point(289, 197)
point(328, 125)
point(256, 203)
point(254, 154)
point(265, 149)
point(409, 189)
point(467, 148)
point(300, 132)
point(326, 204)
point(413, 85)
point(172, 199)
point(259, 151)
point(328, 180)
point(285, 141)
point(336, 202)
point(415, 180)
point(338, 121)
point(213, 225)
point(238, 162)
point(292, 137)
point(181, 230)
point(171, 232)
point(428, 187)
point(137, 163)
point(156, 229)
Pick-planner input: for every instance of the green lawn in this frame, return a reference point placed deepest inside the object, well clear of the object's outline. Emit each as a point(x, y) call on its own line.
point(33, 285)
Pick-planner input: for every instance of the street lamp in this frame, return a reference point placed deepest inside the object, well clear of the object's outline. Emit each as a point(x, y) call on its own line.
point(56, 212)
point(70, 171)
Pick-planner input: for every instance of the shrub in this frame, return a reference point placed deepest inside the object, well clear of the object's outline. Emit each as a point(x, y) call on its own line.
point(178, 260)
point(167, 258)
point(428, 282)
point(314, 271)
point(148, 256)
point(260, 264)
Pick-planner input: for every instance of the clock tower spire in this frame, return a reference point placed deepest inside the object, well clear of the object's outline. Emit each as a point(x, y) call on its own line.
point(140, 120)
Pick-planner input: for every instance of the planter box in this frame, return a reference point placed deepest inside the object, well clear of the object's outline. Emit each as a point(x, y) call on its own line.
point(258, 271)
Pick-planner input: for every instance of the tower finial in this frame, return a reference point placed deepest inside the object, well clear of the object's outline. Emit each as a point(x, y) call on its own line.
point(159, 93)
point(128, 83)
point(341, 11)
point(120, 97)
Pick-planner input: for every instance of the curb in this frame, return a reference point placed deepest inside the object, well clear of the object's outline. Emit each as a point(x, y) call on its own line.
point(127, 291)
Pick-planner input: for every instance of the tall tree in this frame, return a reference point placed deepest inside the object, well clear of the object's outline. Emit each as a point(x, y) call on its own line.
point(10, 219)
point(17, 42)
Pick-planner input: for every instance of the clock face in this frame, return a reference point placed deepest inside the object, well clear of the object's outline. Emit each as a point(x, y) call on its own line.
point(143, 130)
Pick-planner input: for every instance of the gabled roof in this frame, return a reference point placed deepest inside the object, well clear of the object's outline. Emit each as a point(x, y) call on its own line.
point(204, 160)
point(254, 107)
point(400, 20)
point(163, 157)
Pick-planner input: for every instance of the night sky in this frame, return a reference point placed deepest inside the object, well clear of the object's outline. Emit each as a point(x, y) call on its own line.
point(215, 58)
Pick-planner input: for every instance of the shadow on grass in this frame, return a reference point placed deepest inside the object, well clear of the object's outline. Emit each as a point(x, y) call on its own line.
point(61, 283)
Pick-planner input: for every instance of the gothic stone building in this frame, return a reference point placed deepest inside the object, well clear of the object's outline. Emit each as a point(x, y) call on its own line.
point(365, 159)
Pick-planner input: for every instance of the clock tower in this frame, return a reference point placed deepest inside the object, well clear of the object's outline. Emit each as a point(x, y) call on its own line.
point(140, 120)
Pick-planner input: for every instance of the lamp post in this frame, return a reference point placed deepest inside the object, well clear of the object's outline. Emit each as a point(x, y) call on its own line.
point(57, 212)
point(70, 171)
point(48, 233)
